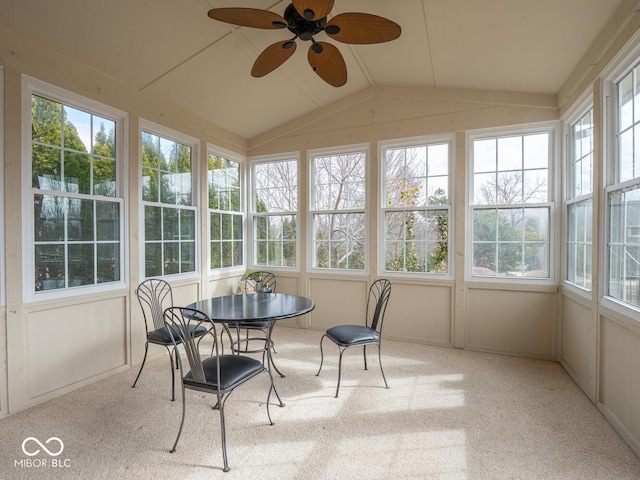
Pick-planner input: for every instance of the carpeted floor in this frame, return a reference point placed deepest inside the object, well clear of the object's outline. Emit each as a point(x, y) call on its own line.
point(449, 414)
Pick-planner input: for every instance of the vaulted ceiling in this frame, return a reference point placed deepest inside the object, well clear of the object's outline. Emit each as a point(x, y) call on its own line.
point(172, 49)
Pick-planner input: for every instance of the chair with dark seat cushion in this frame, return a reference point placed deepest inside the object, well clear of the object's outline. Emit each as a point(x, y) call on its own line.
point(257, 282)
point(347, 336)
point(218, 374)
point(155, 296)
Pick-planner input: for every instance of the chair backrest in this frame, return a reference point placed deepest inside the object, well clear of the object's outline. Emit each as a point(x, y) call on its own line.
point(379, 294)
point(260, 282)
point(181, 322)
point(155, 296)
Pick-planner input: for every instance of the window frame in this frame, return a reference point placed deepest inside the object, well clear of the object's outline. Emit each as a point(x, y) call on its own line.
point(426, 141)
point(550, 128)
point(31, 87)
point(582, 108)
point(630, 59)
point(146, 126)
point(311, 211)
point(253, 214)
point(242, 168)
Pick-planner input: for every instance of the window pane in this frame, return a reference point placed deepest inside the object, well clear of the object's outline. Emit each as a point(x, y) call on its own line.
point(50, 267)
point(108, 265)
point(624, 245)
point(104, 177)
point(49, 218)
point(81, 264)
point(46, 168)
point(80, 220)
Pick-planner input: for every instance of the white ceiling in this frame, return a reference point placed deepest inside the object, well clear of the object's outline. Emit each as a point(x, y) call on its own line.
point(170, 48)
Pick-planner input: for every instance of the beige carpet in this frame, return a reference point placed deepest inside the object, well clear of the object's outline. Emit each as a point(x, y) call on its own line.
point(449, 414)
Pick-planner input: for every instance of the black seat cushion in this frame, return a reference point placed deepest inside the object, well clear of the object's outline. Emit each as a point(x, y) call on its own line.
point(163, 337)
point(352, 334)
point(256, 325)
point(233, 370)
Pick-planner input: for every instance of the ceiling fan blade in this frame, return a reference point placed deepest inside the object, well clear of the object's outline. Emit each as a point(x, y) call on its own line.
point(248, 17)
point(362, 28)
point(272, 57)
point(313, 9)
point(328, 64)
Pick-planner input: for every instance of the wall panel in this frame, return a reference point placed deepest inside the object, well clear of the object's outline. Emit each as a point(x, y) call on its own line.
point(514, 322)
point(578, 350)
point(74, 343)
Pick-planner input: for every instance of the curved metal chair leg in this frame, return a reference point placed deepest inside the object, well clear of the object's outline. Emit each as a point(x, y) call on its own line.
point(224, 438)
point(386, 385)
point(144, 359)
point(175, 444)
point(173, 374)
point(339, 371)
point(321, 355)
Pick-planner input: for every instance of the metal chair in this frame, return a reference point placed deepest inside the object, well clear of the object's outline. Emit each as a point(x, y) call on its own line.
point(257, 282)
point(219, 374)
point(155, 296)
point(347, 336)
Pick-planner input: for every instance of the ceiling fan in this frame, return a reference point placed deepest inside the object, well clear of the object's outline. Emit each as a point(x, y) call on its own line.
point(305, 19)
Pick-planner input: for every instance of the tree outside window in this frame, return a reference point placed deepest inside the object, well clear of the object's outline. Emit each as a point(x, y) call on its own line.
point(225, 214)
point(76, 209)
point(416, 208)
point(511, 210)
point(169, 218)
point(274, 213)
point(339, 199)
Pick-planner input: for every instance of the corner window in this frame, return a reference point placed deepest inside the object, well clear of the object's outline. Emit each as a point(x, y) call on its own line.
point(623, 193)
point(579, 204)
point(338, 210)
point(510, 207)
point(275, 213)
point(169, 214)
point(416, 207)
point(226, 219)
point(77, 203)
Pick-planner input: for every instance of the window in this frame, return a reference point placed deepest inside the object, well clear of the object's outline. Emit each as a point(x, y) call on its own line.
point(225, 212)
point(579, 202)
point(274, 213)
point(510, 207)
point(338, 210)
point(77, 201)
point(169, 214)
point(416, 207)
point(624, 193)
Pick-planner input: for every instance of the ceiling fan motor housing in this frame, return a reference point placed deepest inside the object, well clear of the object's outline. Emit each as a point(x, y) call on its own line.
point(301, 27)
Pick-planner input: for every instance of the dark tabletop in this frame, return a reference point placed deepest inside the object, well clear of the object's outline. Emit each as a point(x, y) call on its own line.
point(254, 306)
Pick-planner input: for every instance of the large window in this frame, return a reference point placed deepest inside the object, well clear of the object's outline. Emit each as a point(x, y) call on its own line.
point(169, 214)
point(225, 212)
point(274, 213)
point(579, 201)
point(624, 193)
point(510, 206)
point(416, 207)
point(338, 210)
point(77, 204)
